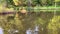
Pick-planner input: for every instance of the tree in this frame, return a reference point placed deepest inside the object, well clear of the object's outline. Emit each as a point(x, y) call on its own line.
point(50, 2)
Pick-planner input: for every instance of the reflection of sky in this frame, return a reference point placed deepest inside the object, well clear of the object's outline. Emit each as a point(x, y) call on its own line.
point(36, 28)
point(1, 30)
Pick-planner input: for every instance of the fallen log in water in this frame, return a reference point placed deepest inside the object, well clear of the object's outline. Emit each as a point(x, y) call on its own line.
point(4, 13)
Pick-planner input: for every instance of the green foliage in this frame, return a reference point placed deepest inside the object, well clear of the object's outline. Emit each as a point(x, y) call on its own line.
point(50, 2)
point(57, 0)
point(54, 24)
point(36, 2)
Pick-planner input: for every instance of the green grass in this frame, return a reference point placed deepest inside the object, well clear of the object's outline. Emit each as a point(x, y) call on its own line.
point(50, 9)
point(38, 9)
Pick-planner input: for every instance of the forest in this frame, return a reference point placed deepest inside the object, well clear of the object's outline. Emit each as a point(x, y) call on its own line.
point(23, 14)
